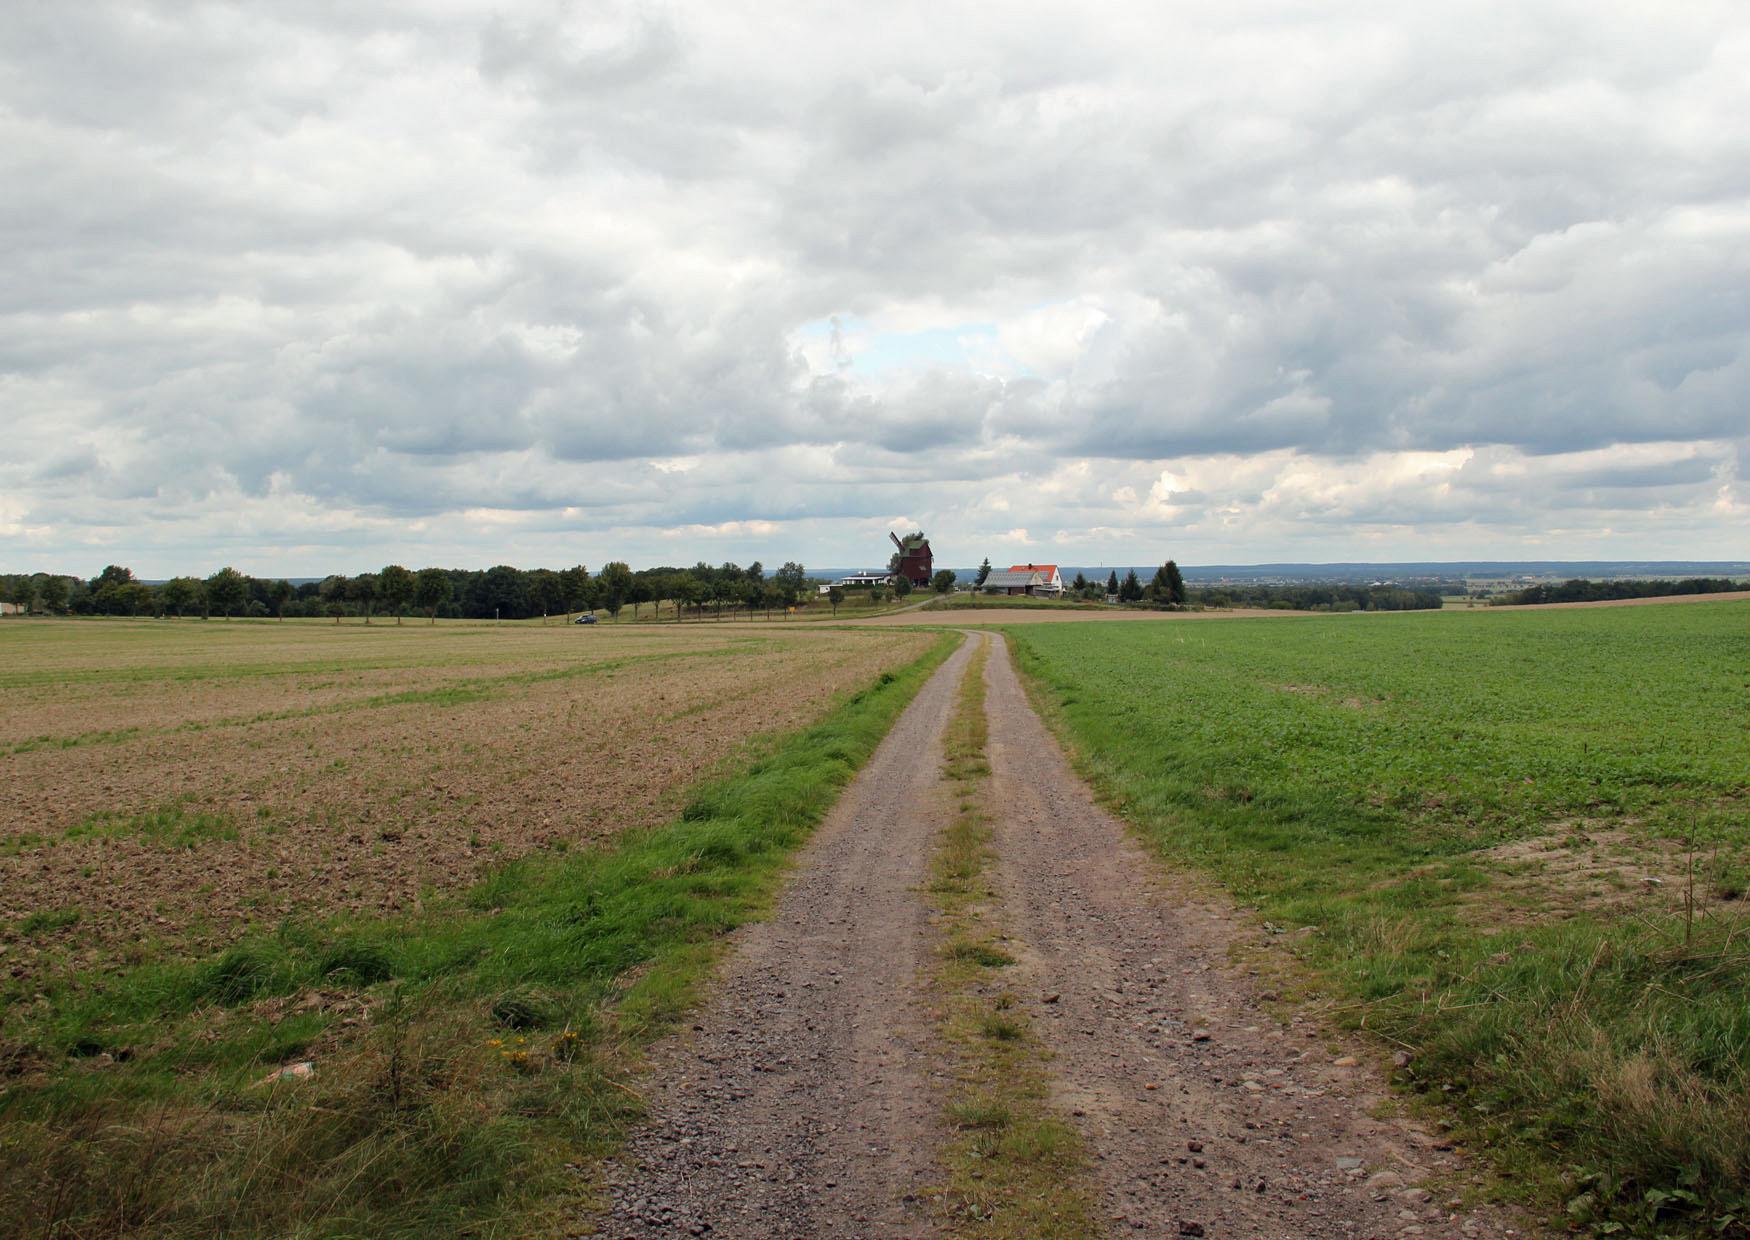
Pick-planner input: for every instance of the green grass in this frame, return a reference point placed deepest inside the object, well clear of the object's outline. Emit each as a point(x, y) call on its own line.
point(1015, 1169)
point(464, 1057)
point(1367, 775)
point(1013, 602)
point(171, 826)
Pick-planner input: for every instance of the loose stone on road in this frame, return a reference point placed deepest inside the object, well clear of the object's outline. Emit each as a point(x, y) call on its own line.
point(1202, 1110)
point(801, 1104)
point(807, 1099)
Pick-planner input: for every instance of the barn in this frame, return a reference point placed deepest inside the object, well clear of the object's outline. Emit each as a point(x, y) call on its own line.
point(1050, 580)
point(1014, 581)
point(913, 561)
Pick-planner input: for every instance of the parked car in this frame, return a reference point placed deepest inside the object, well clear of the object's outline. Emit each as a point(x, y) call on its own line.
point(587, 617)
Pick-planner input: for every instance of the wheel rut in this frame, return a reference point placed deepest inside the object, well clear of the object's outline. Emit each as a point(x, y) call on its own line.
point(801, 1103)
point(1205, 1115)
point(806, 1099)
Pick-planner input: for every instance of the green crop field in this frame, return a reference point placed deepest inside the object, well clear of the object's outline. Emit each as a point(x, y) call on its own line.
point(1521, 842)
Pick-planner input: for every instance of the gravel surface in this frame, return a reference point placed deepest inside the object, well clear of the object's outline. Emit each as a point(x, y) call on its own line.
point(804, 1100)
point(1206, 1115)
point(801, 1102)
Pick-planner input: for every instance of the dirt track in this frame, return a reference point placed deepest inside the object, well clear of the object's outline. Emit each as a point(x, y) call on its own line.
point(804, 1104)
point(801, 1104)
point(1201, 1107)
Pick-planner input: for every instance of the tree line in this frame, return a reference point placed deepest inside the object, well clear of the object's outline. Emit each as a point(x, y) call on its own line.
point(1320, 598)
point(502, 592)
point(1581, 590)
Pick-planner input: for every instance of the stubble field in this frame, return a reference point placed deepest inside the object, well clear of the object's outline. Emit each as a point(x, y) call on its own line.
point(171, 785)
point(228, 847)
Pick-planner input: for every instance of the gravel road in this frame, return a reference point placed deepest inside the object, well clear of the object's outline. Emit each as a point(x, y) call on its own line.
point(804, 1101)
point(801, 1102)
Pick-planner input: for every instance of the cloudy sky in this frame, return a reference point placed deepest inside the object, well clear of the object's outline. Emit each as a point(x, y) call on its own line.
point(312, 286)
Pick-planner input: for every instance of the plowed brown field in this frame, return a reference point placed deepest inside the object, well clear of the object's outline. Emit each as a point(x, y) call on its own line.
point(169, 784)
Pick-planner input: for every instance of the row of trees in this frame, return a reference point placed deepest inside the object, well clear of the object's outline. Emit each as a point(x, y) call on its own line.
point(1321, 598)
point(1581, 590)
point(502, 592)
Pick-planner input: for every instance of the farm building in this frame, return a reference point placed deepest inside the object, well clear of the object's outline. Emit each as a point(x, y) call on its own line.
point(1050, 583)
point(1015, 581)
point(913, 562)
point(859, 581)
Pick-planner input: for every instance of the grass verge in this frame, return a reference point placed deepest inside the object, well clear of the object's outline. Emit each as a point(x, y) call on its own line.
point(1015, 1169)
point(447, 1074)
point(1378, 780)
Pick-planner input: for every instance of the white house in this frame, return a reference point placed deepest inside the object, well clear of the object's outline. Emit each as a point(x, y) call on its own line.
point(1050, 580)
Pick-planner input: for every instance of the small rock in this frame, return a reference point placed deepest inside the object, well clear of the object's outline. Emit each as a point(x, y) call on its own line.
point(1346, 1061)
point(1349, 1164)
point(1401, 1059)
point(1187, 1228)
point(299, 1071)
point(1385, 1179)
point(1053, 997)
point(1196, 1147)
point(1200, 1035)
point(1419, 1196)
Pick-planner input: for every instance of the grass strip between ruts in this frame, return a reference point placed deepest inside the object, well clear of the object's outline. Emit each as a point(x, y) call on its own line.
point(468, 1062)
point(1015, 1168)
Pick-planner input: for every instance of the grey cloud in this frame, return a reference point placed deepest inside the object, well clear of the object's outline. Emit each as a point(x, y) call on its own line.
point(402, 262)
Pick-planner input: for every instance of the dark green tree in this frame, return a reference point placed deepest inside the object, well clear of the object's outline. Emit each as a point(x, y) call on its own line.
point(136, 599)
point(638, 593)
point(616, 586)
point(1175, 584)
point(944, 580)
point(983, 572)
point(431, 590)
point(835, 595)
point(21, 592)
point(226, 591)
point(574, 581)
point(792, 579)
point(901, 587)
point(334, 591)
point(1112, 584)
point(178, 593)
point(1131, 590)
point(502, 592)
point(688, 591)
point(397, 587)
point(366, 589)
point(106, 587)
point(52, 590)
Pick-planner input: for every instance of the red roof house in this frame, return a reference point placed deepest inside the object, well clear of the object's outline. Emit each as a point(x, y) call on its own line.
point(1050, 581)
